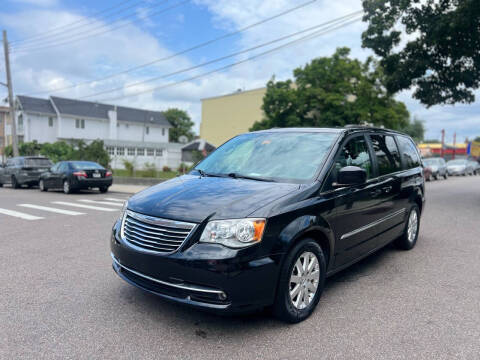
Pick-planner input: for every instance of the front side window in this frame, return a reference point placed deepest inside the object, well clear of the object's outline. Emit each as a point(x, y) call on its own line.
point(409, 151)
point(387, 154)
point(353, 153)
point(278, 156)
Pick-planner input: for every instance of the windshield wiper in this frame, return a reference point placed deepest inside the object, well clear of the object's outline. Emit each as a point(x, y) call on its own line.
point(204, 174)
point(239, 176)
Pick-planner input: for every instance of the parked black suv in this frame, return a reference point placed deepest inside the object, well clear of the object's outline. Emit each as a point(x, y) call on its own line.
point(23, 170)
point(269, 215)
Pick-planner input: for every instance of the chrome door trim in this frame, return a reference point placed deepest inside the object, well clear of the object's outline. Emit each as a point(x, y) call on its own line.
point(372, 224)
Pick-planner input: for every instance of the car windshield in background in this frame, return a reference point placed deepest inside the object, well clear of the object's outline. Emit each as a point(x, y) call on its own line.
point(456, 162)
point(292, 157)
point(38, 162)
point(86, 165)
point(431, 161)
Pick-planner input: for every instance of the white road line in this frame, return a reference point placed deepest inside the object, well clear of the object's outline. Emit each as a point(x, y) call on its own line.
point(83, 206)
point(114, 199)
point(101, 202)
point(19, 214)
point(54, 210)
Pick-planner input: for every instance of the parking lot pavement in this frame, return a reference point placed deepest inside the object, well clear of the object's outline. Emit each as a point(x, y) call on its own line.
point(60, 298)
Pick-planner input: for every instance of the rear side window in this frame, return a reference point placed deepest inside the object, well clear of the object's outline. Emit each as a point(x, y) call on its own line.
point(38, 162)
point(409, 151)
point(386, 151)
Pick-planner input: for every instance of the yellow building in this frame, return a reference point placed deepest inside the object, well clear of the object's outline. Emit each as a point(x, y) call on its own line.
point(224, 117)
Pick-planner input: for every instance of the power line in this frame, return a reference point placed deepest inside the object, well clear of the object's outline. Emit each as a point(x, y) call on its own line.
point(67, 27)
point(340, 20)
point(195, 47)
point(291, 43)
point(69, 24)
point(46, 46)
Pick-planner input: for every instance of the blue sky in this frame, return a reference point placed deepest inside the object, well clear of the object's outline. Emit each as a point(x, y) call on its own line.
point(149, 36)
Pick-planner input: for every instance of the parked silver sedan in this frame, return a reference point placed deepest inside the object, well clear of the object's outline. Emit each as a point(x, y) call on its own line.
point(476, 167)
point(459, 167)
point(438, 167)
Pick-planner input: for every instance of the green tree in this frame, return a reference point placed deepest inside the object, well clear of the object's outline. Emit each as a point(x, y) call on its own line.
point(477, 139)
point(181, 124)
point(432, 141)
point(415, 129)
point(332, 91)
point(436, 54)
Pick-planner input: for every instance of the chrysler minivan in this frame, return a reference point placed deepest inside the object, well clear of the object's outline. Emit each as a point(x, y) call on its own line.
point(268, 216)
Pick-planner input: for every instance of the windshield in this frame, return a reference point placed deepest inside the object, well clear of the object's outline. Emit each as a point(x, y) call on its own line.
point(456, 162)
point(85, 165)
point(40, 162)
point(431, 161)
point(278, 156)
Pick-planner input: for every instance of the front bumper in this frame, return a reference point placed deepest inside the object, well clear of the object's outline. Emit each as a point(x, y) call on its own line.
point(206, 276)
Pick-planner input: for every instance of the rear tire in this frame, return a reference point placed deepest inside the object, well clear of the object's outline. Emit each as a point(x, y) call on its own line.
point(67, 188)
point(41, 186)
point(299, 289)
point(103, 189)
point(445, 176)
point(410, 235)
point(15, 183)
point(435, 177)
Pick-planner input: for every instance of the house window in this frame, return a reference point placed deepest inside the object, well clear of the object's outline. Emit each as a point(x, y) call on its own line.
point(120, 151)
point(150, 152)
point(158, 152)
point(163, 131)
point(147, 130)
point(50, 121)
point(141, 152)
point(131, 151)
point(20, 122)
point(80, 123)
point(111, 150)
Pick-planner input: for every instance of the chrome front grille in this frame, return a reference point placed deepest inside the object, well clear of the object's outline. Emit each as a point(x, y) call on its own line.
point(154, 234)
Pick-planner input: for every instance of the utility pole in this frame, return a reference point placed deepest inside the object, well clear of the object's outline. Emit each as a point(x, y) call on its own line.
point(443, 144)
point(11, 100)
point(454, 144)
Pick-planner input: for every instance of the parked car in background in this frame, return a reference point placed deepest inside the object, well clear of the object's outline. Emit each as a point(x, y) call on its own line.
point(265, 218)
point(23, 170)
point(76, 175)
point(475, 166)
point(459, 167)
point(438, 167)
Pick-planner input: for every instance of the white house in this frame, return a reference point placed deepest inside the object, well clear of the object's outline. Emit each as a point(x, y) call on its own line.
point(134, 134)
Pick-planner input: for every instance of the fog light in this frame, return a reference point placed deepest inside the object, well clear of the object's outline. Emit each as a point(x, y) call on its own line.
point(222, 296)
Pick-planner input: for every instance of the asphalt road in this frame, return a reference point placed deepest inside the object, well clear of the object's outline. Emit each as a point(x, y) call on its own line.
point(59, 297)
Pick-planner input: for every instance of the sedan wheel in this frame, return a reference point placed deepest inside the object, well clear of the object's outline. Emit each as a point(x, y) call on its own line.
point(41, 185)
point(15, 183)
point(304, 280)
point(66, 187)
point(410, 235)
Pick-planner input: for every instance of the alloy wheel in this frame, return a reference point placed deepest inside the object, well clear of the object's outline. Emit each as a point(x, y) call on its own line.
point(66, 187)
point(304, 280)
point(412, 226)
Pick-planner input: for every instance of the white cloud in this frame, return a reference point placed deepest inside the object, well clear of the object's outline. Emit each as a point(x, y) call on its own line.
point(37, 2)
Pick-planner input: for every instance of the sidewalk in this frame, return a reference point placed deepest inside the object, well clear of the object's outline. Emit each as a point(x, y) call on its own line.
point(128, 189)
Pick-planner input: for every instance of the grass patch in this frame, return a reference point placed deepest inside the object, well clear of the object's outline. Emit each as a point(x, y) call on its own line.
point(146, 174)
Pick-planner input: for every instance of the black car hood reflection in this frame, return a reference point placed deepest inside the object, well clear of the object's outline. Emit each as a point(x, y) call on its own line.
point(193, 198)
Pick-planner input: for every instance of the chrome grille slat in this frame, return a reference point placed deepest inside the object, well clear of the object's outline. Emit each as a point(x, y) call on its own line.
point(140, 236)
point(154, 234)
point(158, 228)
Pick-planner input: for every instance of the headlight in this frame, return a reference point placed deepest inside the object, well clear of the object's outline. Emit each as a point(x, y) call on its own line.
point(236, 233)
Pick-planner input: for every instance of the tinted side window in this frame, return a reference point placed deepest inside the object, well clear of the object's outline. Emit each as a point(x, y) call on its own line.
point(409, 151)
point(386, 151)
point(55, 167)
point(353, 153)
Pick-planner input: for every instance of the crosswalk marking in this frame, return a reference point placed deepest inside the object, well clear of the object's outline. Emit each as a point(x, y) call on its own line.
point(51, 209)
point(115, 199)
point(83, 206)
point(19, 214)
point(102, 202)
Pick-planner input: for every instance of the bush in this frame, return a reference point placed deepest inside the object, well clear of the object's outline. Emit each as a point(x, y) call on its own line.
point(129, 166)
point(166, 169)
point(183, 168)
point(150, 170)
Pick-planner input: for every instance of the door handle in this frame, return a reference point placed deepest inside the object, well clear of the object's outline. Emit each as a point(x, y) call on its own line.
point(375, 193)
point(387, 189)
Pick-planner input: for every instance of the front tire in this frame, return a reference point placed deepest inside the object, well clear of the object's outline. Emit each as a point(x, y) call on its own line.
point(445, 176)
point(67, 188)
point(15, 183)
point(301, 282)
point(41, 186)
point(410, 235)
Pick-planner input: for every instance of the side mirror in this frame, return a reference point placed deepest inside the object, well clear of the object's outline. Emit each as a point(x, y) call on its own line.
point(351, 175)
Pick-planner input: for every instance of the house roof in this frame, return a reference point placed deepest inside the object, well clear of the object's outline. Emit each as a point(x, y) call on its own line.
point(199, 145)
point(98, 110)
point(90, 109)
point(36, 105)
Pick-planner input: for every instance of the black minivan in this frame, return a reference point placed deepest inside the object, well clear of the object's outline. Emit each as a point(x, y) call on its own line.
point(264, 219)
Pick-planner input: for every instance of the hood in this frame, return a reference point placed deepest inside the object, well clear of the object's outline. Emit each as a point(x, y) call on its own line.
point(193, 198)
